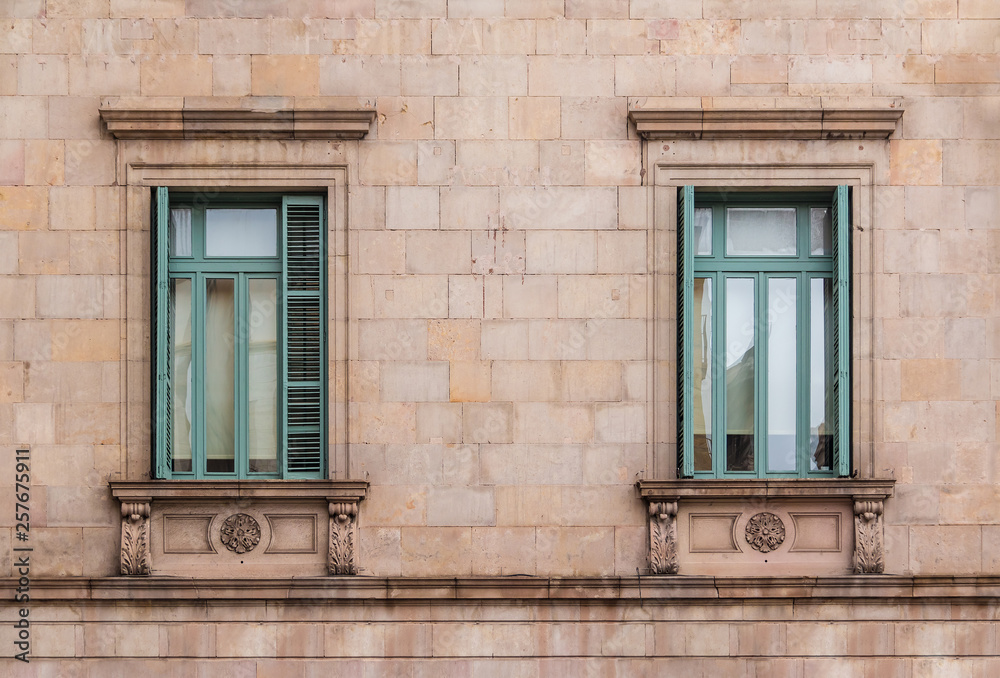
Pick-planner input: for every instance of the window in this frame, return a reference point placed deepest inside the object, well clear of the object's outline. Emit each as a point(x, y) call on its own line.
point(763, 333)
point(239, 345)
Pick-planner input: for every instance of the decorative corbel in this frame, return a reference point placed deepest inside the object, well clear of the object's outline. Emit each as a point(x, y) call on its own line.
point(135, 538)
point(663, 537)
point(343, 518)
point(868, 542)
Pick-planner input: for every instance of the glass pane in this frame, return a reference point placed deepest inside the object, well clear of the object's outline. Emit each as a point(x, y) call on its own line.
point(180, 324)
point(821, 374)
point(781, 374)
point(703, 231)
point(701, 358)
point(760, 231)
point(262, 377)
point(220, 363)
point(241, 232)
point(820, 231)
point(739, 374)
point(179, 229)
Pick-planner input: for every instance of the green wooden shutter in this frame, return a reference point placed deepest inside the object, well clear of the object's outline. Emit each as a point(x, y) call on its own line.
point(685, 302)
point(303, 336)
point(842, 332)
point(160, 317)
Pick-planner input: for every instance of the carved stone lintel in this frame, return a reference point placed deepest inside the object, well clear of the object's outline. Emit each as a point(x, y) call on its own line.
point(663, 537)
point(343, 518)
point(868, 545)
point(135, 538)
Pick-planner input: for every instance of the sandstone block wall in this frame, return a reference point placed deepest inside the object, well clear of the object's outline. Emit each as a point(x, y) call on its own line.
point(499, 293)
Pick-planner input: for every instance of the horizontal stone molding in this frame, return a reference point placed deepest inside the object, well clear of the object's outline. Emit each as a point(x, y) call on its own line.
point(791, 123)
point(891, 589)
point(349, 491)
point(798, 488)
point(236, 123)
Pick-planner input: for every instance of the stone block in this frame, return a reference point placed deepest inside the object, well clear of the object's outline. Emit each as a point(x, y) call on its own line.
point(575, 551)
point(19, 296)
point(231, 75)
point(492, 163)
point(487, 423)
point(284, 75)
point(453, 339)
point(460, 506)
point(505, 340)
point(359, 75)
point(586, 381)
point(967, 69)
point(493, 75)
point(553, 423)
point(392, 339)
point(534, 117)
point(42, 75)
point(391, 37)
point(572, 76)
point(561, 163)
point(41, 252)
point(915, 162)
point(470, 117)
point(591, 118)
point(104, 75)
point(557, 340)
point(435, 162)
point(497, 252)
point(24, 208)
point(70, 296)
point(529, 296)
point(562, 207)
point(414, 381)
point(498, 552)
point(527, 380)
point(597, 9)
point(760, 69)
point(508, 36)
point(381, 252)
point(53, 36)
point(388, 162)
point(560, 252)
point(466, 296)
point(971, 163)
point(429, 252)
point(411, 207)
point(471, 381)
point(620, 423)
point(383, 423)
point(406, 118)
point(468, 207)
point(44, 163)
point(429, 76)
point(434, 551)
point(911, 251)
point(704, 76)
point(597, 296)
point(24, 117)
point(619, 38)
point(90, 163)
point(561, 36)
point(616, 339)
point(931, 379)
point(613, 163)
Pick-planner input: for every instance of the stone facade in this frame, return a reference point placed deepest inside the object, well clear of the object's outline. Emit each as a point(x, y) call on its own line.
point(502, 365)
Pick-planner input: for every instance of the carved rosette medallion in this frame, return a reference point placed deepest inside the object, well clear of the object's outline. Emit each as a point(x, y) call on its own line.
point(343, 517)
point(868, 549)
point(663, 537)
point(135, 558)
point(765, 532)
point(240, 533)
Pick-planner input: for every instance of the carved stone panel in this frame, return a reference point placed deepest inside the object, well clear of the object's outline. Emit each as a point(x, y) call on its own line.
point(135, 557)
point(343, 517)
point(663, 537)
point(868, 548)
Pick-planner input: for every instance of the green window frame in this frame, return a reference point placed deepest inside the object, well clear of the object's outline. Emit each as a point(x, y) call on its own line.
point(763, 333)
point(259, 410)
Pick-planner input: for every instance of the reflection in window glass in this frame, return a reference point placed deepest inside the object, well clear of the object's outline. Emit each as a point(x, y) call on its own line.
point(180, 304)
point(760, 231)
point(781, 374)
point(263, 375)
point(241, 232)
point(220, 376)
point(179, 232)
point(701, 350)
point(820, 231)
point(821, 374)
point(739, 374)
point(703, 231)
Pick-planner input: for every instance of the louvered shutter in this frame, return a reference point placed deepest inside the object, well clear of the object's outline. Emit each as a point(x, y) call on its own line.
point(685, 301)
point(160, 317)
point(842, 332)
point(303, 336)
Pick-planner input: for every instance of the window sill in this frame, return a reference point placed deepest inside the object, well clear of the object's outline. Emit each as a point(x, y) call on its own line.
point(766, 527)
point(249, 528)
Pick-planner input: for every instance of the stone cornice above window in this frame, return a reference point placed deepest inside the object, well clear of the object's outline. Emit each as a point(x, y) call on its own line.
point(790, 123)
point(175, 119)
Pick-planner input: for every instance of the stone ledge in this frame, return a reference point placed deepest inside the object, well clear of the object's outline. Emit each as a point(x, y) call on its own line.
point(792, 123)
point(196, 490)
point(236, 123)
point(663, 590)
point(799, 488)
